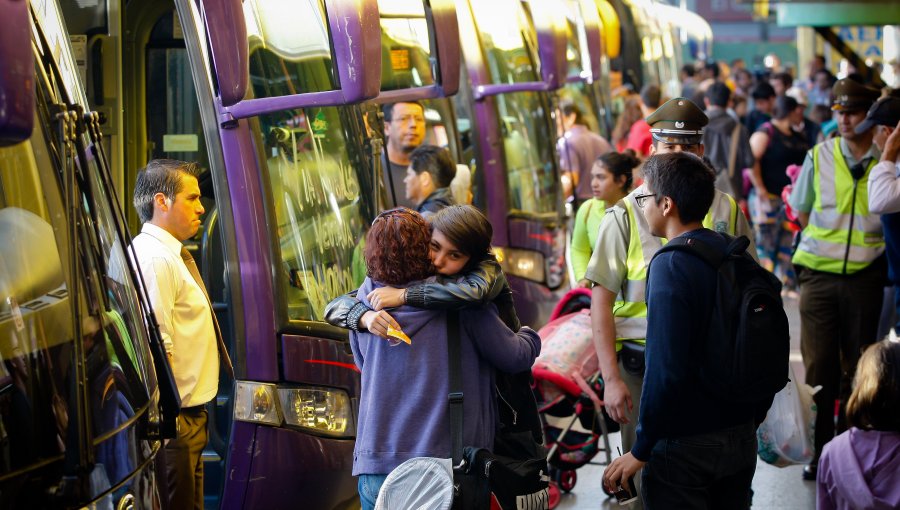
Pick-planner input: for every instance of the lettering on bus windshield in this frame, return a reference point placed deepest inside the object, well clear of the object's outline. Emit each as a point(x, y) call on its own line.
point(319, 207)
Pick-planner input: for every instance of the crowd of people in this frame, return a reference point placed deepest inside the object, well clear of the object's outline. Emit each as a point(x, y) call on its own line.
point(736, 154)
point(816, 193)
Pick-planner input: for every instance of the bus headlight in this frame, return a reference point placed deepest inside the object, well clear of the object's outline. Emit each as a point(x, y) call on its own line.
point(522, 263)
point(256, 402)
point(325, 410)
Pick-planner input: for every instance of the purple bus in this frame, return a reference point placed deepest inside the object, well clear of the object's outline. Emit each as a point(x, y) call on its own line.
point(85, 392)
point(514, 55)
point(294, 143)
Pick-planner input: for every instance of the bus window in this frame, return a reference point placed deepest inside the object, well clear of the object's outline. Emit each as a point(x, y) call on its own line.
point(37, 405)
point(405, 45)
point(468, 137)
point(286, 59)
point(509, 55)
point(530, 174)
point(321, 205)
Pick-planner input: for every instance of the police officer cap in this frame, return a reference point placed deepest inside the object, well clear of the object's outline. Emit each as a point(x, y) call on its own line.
point(885, 112)
point(852, 95)
point(678, 121)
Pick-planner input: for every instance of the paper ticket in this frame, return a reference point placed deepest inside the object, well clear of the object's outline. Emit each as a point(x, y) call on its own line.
point(398, 334)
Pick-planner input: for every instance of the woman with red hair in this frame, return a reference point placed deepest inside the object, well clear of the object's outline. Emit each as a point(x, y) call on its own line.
point(403, 404)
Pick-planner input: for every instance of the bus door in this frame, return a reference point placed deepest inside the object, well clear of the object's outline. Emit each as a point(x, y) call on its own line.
point(136, 60)
point(512, 66)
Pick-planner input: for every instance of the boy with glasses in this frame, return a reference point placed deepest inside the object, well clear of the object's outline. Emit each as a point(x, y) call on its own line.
point(697, 451)
point(618, 267)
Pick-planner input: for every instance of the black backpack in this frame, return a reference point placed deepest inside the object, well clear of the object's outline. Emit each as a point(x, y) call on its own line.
point(747, 350)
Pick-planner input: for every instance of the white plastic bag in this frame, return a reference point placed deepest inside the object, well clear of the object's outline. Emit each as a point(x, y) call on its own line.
point(786, 435)
point(421, 483)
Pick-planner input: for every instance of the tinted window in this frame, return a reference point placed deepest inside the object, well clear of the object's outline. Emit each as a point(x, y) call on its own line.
point(40, 412)
point(322, 203)
point(530, 170)
point(405, 45)
point(289, 47)
point(506, 39)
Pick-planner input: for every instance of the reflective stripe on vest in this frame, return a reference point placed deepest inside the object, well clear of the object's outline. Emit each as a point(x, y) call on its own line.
point(630, 309)
point(841, 237)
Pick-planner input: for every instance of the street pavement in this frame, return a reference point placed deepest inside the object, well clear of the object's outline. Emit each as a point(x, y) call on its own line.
point(773, 488)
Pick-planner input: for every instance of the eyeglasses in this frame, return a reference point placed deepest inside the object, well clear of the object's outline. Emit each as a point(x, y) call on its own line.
point(406, 118)
point(642, 199)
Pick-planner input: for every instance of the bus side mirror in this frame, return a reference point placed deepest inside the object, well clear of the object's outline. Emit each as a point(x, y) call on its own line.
point(16, 74)
point(356, 35)
point(549, 23)
point(594, 38)
point(443, 32)
point(230, 49)
point(446, 35)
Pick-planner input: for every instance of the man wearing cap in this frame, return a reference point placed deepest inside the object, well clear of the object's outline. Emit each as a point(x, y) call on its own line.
point(618, 267)
point(839, 260)
point(884, 199)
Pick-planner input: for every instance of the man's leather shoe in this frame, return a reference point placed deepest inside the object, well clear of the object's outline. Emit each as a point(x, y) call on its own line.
point(810, 471)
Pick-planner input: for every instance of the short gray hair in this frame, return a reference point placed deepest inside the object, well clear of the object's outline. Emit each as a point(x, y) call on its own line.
point(160, 176)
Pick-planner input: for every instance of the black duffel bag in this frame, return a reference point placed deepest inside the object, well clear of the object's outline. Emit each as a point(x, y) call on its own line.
point(518, 480)
point(515, 484)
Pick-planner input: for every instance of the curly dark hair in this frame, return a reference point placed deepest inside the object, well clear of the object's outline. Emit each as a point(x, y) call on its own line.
point(397, 247)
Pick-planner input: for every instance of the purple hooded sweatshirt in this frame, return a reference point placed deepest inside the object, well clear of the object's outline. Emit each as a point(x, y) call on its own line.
point(403, 403)
point(860, 469)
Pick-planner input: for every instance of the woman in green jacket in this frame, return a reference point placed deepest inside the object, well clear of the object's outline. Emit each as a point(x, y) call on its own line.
point(611, 180)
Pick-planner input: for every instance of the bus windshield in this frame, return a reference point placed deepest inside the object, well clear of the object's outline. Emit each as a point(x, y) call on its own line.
point(320, 183)
point(321, 206)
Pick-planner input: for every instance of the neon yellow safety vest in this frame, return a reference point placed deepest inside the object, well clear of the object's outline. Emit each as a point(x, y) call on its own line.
point(842, 237)
point(630, 309)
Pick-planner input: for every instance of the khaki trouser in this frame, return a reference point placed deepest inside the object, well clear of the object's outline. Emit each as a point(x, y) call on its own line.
point(184, 462)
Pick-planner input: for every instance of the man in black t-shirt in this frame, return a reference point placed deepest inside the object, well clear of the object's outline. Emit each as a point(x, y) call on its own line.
point(404, 130)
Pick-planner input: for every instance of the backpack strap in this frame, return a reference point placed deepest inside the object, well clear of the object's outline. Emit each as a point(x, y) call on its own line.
point(712, 256)
point(455, 398)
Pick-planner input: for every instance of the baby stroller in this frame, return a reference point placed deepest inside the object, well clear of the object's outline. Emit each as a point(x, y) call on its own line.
point(569, 390)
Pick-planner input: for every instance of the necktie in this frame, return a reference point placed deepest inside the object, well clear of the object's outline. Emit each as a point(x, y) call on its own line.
point(192, 268)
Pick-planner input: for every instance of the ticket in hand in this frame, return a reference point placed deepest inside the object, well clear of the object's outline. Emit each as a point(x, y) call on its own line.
point(398, 334)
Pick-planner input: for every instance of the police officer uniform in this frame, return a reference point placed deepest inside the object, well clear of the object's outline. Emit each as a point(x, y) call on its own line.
point(840, 264)
point(625, 247)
